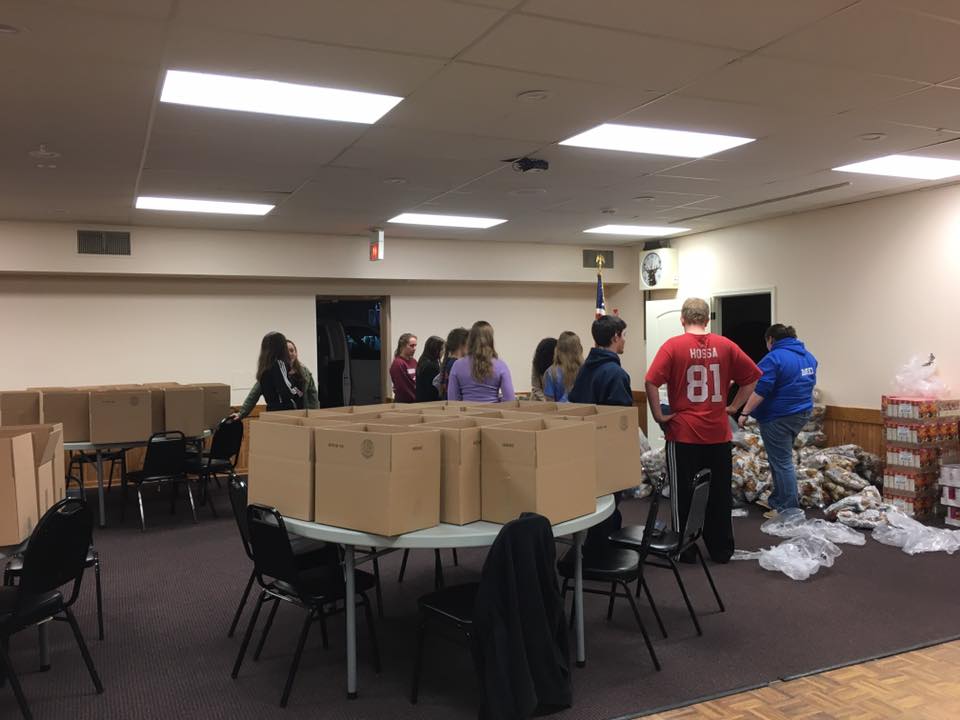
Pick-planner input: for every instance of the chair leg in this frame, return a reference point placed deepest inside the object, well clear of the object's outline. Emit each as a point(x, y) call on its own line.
point(143, 522)
point(6, 671)
point(266, 629)
point(193, 508)
point(403, 565)
point(643, 629)
point(96, 575)
point(418, 661)
point(323, 630)
point(83, 650)
point(653, 605)
point(247, 635)
point(243, 602)
point(713, 587)
point(372, 629)
point(686, 598)
point(613, 597)
point(296, 658)
point(376, 588)
point(113, 465)
point(437, 570)
point(456, 560)
point(207, 498)
point(123, 499)
point(174, 491)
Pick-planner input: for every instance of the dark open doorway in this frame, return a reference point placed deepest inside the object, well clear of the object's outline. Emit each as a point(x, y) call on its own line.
point(744, 319)
point(349, 356)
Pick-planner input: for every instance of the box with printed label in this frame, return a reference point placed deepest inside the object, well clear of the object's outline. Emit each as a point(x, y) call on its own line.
point(913, 506)
point(69, 408)
point(382, 479)
point(48, 462)
point(953, 516)
point(216, 403)
point(19, 407)
point(618, 445)
point(543, 465)
point(950, 475)
point(459, 468)
point(950, 496)
point(903, 480)
point(118, 416)
point(18, 488)
point(183, 410)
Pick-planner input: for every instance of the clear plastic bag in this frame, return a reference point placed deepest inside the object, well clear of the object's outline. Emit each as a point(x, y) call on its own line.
point(918, 378)
point(797, 558)
point(914, 537)
point(794, 524)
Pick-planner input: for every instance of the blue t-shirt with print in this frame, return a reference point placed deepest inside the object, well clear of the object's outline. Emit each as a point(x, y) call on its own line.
point(553, 386)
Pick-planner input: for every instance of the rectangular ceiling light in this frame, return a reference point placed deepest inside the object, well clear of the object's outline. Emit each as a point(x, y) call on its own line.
point(906, 166)
point(274, 98)
point(457, 221)
point(637, 230)
point(202, 206)
point(655, 141)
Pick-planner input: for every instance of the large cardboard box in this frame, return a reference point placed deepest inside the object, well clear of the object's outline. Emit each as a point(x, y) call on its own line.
point(459, 468)
point(118, 416)
point(543, 465)
point(216, 403)
point(399, 418)
point(48, 462)
point(19, 407)
point(69, 408)
point(618, 445)
point(531, 406)
point(357, 409)
point(18, 488)
point(183, 410)
point(158, 404)
point(382, 479)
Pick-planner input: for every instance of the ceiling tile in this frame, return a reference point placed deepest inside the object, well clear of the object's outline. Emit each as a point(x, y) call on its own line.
point(935, 107)
point(875, 37)
point(941, 8)
point(426, 27)
point(680, 112)
point(743, 24)
point(416, 143)
point(479, 100)
point(614, 57)
point(145, 9)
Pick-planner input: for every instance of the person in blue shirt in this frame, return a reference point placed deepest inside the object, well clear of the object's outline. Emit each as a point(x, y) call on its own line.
point(567, 359)
point(602, 380)
point(781, 404)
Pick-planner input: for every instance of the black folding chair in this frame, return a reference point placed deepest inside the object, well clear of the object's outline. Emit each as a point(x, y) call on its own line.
point(316, 591)
point(220, 459)
point(164, 464)
point(606, 563)
point(55, 555)
point(669, 545)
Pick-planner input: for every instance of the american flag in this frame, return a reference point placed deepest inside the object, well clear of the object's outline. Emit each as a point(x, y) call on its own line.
point(601, 307)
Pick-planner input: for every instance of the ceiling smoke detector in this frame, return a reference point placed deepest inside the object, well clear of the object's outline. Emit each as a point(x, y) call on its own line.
point(529, 165)
point(532, 96)
point(42, 153)
point(608, 211)
point(872, 137)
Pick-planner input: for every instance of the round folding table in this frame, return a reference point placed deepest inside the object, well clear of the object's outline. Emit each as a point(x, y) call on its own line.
point(477, 534)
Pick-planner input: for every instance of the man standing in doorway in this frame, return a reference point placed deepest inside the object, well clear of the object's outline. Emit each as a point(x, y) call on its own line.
point(403, 369)
point(697, 368)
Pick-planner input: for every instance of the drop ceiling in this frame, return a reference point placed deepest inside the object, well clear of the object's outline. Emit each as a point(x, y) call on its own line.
point(810, 80)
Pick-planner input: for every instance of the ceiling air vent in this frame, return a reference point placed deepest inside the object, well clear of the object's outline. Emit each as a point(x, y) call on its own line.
point(103, 242)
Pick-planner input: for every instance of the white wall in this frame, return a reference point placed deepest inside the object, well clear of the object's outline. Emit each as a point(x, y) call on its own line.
point(866, 285)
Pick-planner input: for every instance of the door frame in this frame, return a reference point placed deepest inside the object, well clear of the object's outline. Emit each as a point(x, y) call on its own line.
point(386, 354)
point(716, 316)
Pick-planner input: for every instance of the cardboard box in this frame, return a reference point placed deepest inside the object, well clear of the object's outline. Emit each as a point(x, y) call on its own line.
point(216, 403)
point(399, 418)
point(379, 407)
point(18, 488)
point(183, 410)
point(19, 407)
point(618, 445)
point(459, 468)
point(380, 479)
point(543, 465)
point(118, 416)
point(69, 408)
point(533, 406)
point(48, 462)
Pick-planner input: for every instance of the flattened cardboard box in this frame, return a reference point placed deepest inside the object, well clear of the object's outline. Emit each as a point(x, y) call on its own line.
point(216, 403)
point(459, 468)
point(48, 462)
point(120, 416)
point(70, 408)
point(618, 445)
point(19, 407)
point(18, 489)
point(378, 478)
point(183, 410)
point(544, 465)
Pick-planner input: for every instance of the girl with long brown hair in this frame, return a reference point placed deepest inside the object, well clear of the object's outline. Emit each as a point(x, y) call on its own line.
point(480, 376)
point(567, 359)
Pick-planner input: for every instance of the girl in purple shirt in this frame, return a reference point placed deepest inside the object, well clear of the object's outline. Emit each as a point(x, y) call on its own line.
point(480, 376)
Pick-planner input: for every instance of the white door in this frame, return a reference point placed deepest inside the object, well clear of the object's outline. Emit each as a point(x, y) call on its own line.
point(663, 323)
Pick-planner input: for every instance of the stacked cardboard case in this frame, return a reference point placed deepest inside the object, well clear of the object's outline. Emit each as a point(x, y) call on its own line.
point(31, 477)
point(391, 469)
point(919, 434)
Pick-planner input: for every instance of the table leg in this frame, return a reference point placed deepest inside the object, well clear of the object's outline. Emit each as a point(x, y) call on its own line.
point(100, 500)
point(44, 642)
point(351, 609)
point(578, 539)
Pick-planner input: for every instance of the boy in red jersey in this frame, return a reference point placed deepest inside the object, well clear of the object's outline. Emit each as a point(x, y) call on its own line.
point(697, 368)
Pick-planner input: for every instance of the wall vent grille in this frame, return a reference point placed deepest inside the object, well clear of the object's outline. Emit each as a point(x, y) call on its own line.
point(103, 242)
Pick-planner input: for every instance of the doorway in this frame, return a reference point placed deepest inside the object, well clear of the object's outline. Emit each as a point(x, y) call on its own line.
point(743, 318)
point(349, 353)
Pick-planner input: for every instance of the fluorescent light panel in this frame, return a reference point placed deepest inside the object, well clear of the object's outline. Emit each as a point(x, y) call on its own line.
point(655, 141)
point(458, 221)
point(906, 166)
point(637, 230)
point(274, 98)
point(202, 206)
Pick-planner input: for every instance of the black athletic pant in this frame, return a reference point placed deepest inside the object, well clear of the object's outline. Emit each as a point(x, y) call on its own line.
point(684, 461)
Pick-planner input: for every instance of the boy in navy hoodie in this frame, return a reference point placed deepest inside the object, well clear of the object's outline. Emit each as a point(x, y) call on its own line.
point(602, 380)
point(781, 404)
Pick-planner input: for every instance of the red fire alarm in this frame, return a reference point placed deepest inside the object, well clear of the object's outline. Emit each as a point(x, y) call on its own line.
point(376, 244)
